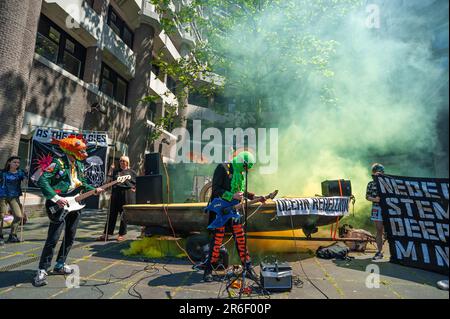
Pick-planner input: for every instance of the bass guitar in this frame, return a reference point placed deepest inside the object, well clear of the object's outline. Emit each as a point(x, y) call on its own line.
point(75, 201)
point(229, 209)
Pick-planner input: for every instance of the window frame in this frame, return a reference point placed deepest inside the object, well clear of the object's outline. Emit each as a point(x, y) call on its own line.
point(113, 76)
point(79, 53)
point(120, 24)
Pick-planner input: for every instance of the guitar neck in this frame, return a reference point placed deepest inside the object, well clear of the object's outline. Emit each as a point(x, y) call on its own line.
point(92, 192)
point(239, 206)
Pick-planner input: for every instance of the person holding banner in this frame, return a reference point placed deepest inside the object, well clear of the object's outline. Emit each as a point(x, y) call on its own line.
point(63, 176)
point(121, 194)
point(373, 196)
point(11, 178)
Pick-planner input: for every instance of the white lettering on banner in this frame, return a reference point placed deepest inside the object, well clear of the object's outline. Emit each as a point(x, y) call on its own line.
point(426, 255)
point(409, 252)
point(395, 186)
point(408, 227)
point(412, 249)
point(425, 209)
point(391, 201)
point(416, 192)
point(441, 256)
point(328, 206)
point(397, 227)
point(45, 135)
point(440, 211)
point(444, 187)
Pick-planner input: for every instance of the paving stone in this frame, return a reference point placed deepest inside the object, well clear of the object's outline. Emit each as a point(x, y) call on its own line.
point(174, 277)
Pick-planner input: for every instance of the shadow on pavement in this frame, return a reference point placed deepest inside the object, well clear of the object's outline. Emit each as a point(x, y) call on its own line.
point(187, 278)
point(389, 269)
point(113, 250)
point(15, 277)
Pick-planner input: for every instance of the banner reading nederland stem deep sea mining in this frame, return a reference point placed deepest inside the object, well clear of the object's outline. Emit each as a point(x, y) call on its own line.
point(415, 217)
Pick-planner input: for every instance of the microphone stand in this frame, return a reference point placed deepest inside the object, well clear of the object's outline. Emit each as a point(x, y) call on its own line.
point(244, 271)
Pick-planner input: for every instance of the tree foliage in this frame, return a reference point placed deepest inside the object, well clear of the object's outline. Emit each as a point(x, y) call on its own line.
point(258, 46)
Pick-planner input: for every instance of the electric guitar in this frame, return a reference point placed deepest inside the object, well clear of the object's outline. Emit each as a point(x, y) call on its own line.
point(225, 210)
point(75, 199)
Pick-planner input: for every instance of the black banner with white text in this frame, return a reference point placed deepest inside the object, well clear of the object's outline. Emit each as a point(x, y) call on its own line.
point(43, 152)
point(415, 218)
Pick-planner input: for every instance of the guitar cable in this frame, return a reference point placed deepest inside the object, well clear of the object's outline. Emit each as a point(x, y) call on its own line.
point(300, 261)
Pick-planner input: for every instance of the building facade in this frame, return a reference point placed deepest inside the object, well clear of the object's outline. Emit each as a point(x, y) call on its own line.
point(84, 65)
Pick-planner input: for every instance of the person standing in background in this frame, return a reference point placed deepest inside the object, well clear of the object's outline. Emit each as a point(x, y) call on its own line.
point(11, 178)
point(373, 196)
point(122, 194)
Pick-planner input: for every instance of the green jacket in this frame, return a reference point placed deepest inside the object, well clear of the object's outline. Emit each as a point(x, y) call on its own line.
point(56, 179)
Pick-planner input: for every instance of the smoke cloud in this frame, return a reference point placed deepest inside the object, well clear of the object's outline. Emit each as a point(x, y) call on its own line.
point(377, 99)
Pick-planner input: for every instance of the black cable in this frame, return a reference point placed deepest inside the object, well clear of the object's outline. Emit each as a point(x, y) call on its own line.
point(301, 264)
point(119, 279)
point(137, 294)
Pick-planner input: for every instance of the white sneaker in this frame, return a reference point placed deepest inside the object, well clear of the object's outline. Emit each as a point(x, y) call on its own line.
point(443, 284)
point(64, 270)
point(41, 278)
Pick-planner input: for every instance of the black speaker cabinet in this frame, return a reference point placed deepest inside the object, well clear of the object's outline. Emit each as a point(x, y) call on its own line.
point(149, 189)
point(152, 164)
point(334, 188)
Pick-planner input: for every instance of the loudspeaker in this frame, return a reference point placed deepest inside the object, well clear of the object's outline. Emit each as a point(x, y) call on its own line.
point(152, 164)
point(339, 187)
point(149, 189)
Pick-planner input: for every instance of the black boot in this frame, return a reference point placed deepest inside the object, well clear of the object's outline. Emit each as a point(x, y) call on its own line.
point(251, 273)
point(13, 239)
point(207, 275)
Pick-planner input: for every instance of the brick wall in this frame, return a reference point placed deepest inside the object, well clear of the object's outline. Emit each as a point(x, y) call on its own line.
point(18, 25)
point(55, 96)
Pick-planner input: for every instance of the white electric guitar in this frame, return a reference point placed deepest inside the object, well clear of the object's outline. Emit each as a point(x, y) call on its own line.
point(75, 199)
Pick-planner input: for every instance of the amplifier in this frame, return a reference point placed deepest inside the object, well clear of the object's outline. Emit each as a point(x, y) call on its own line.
point(338, 187)
point(276, 276)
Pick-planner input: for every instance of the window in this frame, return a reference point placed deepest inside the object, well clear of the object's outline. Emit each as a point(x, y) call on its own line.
point(113, 84)
point(155, 69)
point(57, 46)
point(198, 99)
point(120, 27)
point(151, 111)
point(171, 84)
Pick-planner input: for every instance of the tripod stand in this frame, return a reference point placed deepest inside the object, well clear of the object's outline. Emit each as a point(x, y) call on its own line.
point(244, 275)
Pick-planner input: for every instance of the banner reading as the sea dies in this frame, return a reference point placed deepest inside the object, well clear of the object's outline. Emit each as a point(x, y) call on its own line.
point(43, 152)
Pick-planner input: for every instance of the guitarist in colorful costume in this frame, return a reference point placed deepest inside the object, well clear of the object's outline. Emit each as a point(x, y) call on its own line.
point(229, 184)
point(61, 177)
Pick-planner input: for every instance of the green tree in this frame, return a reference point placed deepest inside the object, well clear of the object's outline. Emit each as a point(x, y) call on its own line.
point(259, 47)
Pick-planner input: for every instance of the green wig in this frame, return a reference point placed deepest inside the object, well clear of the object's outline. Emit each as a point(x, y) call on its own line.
point(238, 181)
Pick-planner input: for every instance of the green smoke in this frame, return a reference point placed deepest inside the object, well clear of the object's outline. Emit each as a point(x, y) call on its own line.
point(343, 95)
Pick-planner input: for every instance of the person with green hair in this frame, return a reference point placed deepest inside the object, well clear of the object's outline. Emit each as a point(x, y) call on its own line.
point(229, 184)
